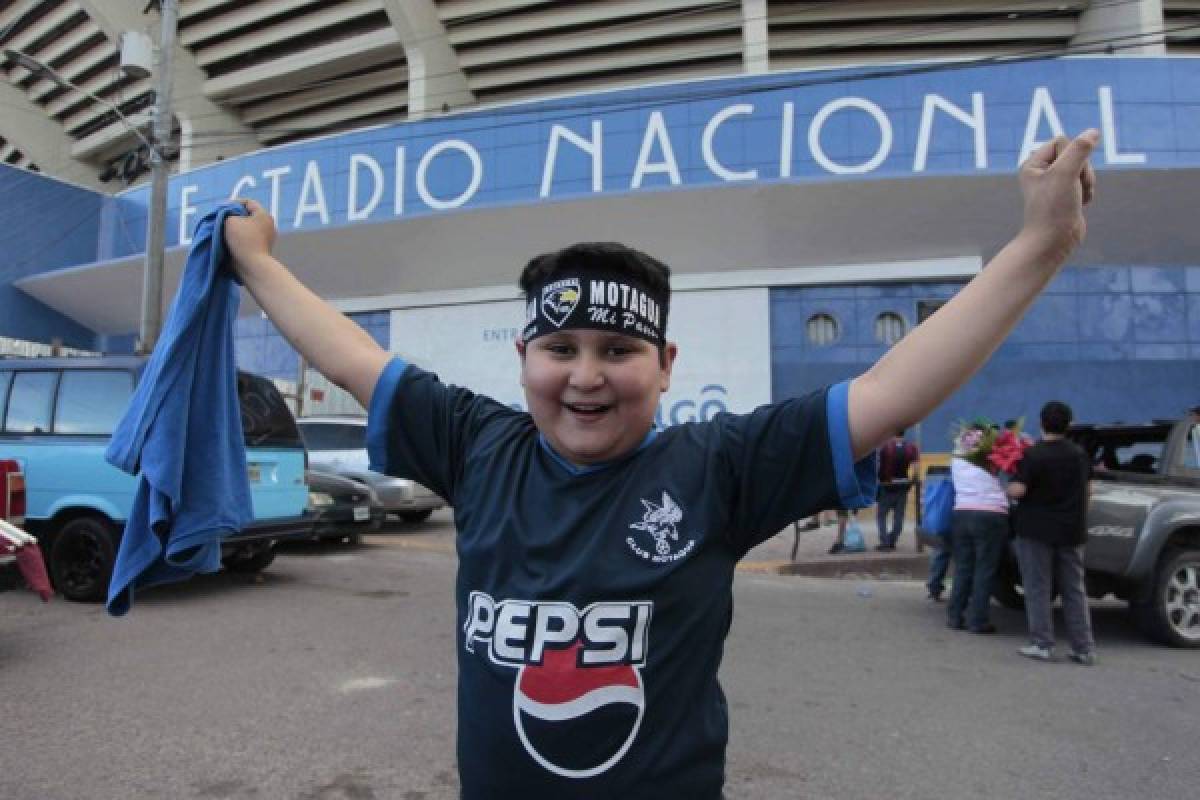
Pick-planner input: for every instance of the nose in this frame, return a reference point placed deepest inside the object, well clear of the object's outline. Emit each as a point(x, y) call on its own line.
point(587, 373)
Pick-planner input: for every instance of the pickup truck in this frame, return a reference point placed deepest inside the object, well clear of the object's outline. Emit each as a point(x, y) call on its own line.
point(1143, 525)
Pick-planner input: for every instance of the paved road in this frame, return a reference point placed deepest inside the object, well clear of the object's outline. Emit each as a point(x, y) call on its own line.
point(334, 678)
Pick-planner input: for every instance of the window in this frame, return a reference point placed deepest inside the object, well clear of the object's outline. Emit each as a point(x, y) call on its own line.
point(926, 308)
point(1191, 449)
point(5, 380)
point(890, 328)
point(822, 330)
point(333, 436)
point(91, 400)
point(30, 402)
point(266, 419)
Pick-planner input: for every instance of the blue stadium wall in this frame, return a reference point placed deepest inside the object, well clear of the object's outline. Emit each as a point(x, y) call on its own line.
point(44, 224)
point(1116, 343)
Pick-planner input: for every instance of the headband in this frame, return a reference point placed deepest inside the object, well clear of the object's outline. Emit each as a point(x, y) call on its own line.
point(595, 301)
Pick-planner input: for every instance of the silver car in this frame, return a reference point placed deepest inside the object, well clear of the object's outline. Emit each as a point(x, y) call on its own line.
point(339, 444)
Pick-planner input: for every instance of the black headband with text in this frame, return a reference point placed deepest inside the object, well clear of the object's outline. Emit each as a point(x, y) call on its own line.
point(595, 301)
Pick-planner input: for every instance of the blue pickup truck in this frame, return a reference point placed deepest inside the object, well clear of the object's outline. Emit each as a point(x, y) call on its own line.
point(56, 418)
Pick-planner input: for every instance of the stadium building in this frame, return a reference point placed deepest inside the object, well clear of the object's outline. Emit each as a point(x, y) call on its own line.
point(820, 176)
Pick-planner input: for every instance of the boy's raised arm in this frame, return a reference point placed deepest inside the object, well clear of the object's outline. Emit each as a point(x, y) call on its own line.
point(333, 344)
point(929, 364)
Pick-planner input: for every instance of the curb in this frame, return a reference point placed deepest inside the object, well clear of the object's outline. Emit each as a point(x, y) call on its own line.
point(897, 568)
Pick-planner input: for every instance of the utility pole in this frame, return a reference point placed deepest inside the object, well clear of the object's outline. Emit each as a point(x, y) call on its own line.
point(152, 275)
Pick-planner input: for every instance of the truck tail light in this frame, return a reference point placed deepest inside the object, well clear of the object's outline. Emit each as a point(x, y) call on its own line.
point(12, 492)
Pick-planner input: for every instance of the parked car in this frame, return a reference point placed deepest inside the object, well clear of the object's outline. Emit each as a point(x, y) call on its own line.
point(1143, 523)
point(342, 508)
point(56, 418)
point(339, 444)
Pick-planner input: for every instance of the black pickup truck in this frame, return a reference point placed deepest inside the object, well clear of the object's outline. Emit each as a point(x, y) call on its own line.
point(1143, 525)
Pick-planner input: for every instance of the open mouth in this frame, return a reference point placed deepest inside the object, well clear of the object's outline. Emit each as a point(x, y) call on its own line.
point(587, 410)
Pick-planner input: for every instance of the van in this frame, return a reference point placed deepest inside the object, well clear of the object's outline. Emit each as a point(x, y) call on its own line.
point(57, 416)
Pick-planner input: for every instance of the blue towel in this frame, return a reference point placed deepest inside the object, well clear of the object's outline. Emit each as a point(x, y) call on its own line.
point(183, 431)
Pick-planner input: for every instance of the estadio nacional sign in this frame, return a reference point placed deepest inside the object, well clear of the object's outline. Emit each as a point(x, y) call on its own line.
point(785, 127)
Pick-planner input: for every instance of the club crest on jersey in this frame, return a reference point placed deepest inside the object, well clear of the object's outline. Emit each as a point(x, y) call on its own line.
point(659, 521)
point(559, 299)
point(578, 696)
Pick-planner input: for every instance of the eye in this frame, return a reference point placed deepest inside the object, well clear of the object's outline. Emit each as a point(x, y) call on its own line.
point(619, 350)
point(560, 349)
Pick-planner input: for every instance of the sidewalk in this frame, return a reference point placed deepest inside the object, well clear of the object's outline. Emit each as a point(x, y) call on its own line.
point(813, 558)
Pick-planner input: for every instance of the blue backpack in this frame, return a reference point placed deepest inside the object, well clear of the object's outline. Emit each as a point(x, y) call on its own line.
point(937, 507)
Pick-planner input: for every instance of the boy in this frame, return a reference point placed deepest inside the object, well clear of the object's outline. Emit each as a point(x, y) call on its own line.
point(596, 554)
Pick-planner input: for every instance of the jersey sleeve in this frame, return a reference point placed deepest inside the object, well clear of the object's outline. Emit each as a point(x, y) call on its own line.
point(788, 460)
point(422, 429)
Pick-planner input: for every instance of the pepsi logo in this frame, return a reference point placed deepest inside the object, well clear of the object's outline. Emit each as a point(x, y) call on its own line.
point(577, 721)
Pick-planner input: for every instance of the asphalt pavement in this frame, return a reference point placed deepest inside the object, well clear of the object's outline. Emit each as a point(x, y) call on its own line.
point(333, 677)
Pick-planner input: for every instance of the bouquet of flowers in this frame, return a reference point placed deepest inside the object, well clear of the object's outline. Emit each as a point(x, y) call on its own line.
point(983, 444)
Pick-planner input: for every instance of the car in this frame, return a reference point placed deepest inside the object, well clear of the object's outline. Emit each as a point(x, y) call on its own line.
point(57, 416)
point(342, 509)
point(339, 444)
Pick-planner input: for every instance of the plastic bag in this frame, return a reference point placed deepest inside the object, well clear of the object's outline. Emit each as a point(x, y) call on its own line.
point(937, 507)
point(853, 542)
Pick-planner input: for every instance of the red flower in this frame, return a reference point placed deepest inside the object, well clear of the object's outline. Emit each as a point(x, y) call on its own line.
point(1008, 451)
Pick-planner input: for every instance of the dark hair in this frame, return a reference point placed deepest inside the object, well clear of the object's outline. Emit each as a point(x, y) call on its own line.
point(601, 257)
point(1056, 417)
point(1010, 424)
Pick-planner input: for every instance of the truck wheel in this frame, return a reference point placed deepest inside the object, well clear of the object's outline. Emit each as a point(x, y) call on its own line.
point(82, 557)
point(245, 562)
point(416, 516)
point(1172, 616)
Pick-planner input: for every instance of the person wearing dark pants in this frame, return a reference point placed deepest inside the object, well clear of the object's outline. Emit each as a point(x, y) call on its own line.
point(939, 565)
point(1051, 488)
point(978, 534)
point(896, 460)
point(978, 541)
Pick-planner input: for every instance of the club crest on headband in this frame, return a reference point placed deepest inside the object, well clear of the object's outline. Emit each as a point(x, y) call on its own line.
point(559, 299)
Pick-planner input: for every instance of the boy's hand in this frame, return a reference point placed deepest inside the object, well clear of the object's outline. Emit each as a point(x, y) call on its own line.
point(249, 238)
point(1057, 182)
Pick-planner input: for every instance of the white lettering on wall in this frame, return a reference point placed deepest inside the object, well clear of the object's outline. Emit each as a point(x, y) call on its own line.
point(1042, 106)
point(974, 121)
point(398, 203)
point(706, 144)
point(353, 212)
point(245, 182)
point(594, 147)
point(831, 108)
point(311, 186)
point(273, 175)
point(1108, 132)
point(656, 132)
point(473, 186)
point(186, 212)
point(785, 140)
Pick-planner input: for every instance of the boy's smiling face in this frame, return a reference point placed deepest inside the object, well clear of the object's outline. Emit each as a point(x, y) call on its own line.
point(593, 393)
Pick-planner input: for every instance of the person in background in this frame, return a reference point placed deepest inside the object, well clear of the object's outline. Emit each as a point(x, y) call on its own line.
point(980, 530)
point(1051, 487)
point(897, 459)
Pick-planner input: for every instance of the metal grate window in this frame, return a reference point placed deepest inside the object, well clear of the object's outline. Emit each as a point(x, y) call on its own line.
point(926, 309)
point(822, 330)
point(890, 328)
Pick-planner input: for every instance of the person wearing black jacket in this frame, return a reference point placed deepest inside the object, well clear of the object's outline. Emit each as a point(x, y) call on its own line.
point(1051, 487)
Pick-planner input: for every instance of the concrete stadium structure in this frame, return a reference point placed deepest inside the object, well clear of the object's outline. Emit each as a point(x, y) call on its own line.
point(819, 175)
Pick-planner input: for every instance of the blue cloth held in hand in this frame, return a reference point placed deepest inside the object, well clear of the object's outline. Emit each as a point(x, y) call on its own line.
point(183, 431)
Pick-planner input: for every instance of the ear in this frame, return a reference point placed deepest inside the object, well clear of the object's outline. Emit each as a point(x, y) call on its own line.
point(669, 354)
point(519, 343)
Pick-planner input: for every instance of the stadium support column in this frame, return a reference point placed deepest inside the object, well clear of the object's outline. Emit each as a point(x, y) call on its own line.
point(756, 50)
point(436, 81)
point(1131, 27)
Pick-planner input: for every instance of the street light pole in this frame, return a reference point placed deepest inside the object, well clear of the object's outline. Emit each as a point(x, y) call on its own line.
point(152, 275)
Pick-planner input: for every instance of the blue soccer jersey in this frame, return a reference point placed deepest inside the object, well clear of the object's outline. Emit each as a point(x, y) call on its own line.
point(593, 603)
